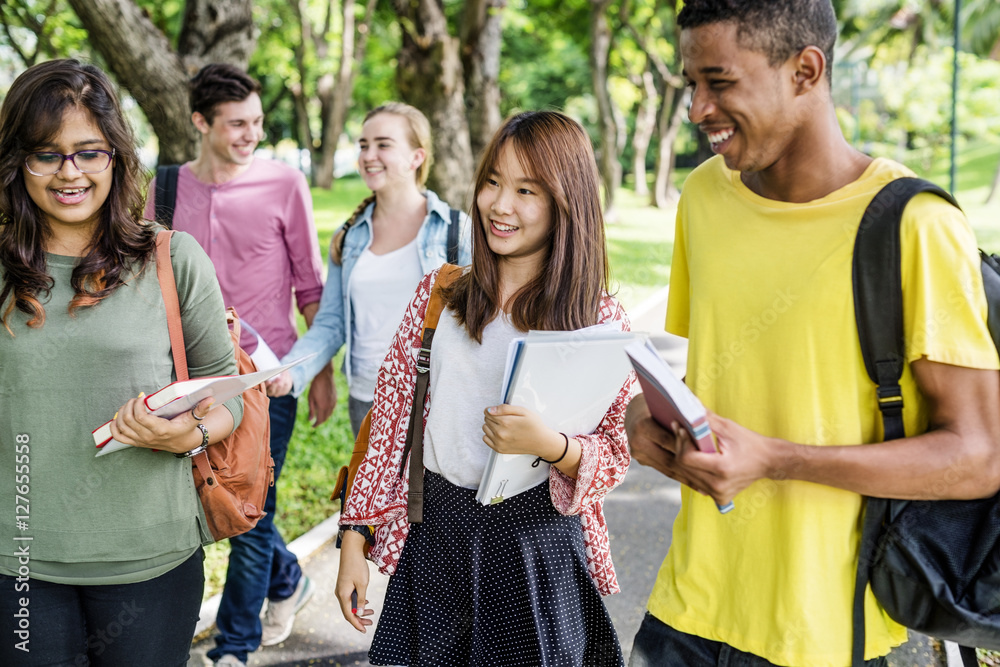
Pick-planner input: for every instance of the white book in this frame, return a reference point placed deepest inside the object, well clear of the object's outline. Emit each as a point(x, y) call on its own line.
point(179, 397)
point(570, 378)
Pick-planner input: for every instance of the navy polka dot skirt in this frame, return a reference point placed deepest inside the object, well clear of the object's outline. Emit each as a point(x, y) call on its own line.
point(498, 586)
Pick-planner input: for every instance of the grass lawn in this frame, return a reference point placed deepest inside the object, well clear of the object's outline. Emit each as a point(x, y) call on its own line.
point(640, 244)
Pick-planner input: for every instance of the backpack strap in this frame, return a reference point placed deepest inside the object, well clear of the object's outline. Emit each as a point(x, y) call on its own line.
point(968, 655)
point(878, 310)
point(414, 448)
point(165, 198)
point(168, 288)
point(453, 229)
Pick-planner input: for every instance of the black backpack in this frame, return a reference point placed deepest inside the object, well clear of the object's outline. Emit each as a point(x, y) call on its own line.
point(165, 200)
point(166, 194)
point(933, 565)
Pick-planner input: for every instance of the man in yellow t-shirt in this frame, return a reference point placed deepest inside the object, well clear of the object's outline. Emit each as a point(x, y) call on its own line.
point(761, 285)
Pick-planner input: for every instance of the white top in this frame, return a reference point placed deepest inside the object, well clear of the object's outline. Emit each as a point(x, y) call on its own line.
point(381, 288)
point(466, 378)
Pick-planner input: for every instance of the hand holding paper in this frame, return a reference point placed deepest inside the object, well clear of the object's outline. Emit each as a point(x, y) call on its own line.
point(178, 398)
point(135, 425)
point(512, 429)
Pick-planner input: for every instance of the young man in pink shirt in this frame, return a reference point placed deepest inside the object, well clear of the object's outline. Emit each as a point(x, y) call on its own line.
point(253, 216)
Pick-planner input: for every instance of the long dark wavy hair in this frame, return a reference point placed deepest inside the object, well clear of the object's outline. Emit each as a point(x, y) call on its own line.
point(30, 117)
point(565, 295)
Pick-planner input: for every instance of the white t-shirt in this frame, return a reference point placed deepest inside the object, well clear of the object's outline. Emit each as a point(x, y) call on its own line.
point(381, 288)
point(466, 378)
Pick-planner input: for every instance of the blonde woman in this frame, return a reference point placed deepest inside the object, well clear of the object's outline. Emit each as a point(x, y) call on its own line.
point(377, 258)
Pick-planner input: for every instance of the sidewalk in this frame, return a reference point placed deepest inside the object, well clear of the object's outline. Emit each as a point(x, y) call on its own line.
point(639, 513)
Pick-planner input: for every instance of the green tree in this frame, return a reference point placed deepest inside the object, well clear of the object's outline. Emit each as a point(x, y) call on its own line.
point(37, 30)
point(156, 71)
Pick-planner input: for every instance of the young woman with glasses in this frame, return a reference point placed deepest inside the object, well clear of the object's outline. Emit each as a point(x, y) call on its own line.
point(100, 558)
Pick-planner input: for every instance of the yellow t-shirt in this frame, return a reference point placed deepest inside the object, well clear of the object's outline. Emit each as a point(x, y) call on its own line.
point(763, 291)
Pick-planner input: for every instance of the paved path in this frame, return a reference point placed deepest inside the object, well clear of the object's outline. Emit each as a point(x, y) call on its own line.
point(639, 513)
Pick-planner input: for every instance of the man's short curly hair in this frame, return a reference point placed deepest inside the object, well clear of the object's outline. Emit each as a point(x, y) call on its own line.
point(776, 28)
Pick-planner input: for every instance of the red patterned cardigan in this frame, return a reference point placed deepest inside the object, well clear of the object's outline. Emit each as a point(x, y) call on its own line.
point(379, 495)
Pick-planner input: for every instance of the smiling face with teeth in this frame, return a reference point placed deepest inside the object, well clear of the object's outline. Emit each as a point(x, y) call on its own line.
point(70, 200)
point(228, 142)
point(388, 157)
point(516, 212)
point(744, 105)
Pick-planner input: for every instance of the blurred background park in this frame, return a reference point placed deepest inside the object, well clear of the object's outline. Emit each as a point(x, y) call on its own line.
point(612, 64)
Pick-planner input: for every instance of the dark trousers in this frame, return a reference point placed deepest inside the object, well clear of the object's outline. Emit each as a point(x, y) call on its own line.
point(260, 565)
point(149, 623)
point(659, 645)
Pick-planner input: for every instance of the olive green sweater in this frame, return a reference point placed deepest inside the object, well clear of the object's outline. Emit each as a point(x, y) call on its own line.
point(130, 515)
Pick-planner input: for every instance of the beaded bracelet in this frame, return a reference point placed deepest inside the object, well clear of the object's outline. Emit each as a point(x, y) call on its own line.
point(534, 464)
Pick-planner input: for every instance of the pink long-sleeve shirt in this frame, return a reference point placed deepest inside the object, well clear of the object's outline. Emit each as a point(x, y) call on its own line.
point(259, 232)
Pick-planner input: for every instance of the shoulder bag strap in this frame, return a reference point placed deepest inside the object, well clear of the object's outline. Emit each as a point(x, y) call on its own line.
point(168, 287)
point(453, 229)
point(414, 447)
point(166, 194)
point(165, 275)
point(878, 310)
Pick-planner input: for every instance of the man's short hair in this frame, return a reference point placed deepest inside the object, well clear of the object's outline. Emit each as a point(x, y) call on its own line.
point(776, 28)
point(218, 83)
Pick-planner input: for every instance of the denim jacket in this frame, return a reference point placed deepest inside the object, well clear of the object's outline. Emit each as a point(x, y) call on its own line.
point(331, 327)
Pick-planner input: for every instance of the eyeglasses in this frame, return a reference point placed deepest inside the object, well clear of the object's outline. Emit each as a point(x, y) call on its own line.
point(86, 162)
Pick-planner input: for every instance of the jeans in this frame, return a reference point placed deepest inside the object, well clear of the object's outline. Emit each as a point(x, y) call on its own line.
point(260, 565)
point(657, 644)
point(356, 410)
point(149, 623)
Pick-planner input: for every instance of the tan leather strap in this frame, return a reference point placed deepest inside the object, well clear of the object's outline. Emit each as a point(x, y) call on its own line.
point(205, 468)
point(415, 429)
point(168, 287)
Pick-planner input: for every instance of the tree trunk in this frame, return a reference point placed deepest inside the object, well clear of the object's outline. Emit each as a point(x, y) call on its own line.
point(216, 31)
point(481, 39)
point(645, 125)
point(429, 76)
point(298, 89)
point(669, 124)
point(352, 51)
point(142, 60)
point(600, 46)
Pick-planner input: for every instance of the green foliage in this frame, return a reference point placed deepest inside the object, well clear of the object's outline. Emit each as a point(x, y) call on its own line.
point(907, 115)
point(545, 61)
point(377, 74)
point(37, 30)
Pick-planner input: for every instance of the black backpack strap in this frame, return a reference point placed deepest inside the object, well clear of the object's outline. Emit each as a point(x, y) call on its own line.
point(878, 309)
point(453, 229)
point(968, 655)
point(166, 194)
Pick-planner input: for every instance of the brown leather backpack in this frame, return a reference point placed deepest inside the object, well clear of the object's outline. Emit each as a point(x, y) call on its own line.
point(232, 476)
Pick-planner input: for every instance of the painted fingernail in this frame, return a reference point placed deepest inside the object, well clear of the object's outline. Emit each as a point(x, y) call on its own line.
point(116, 416)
